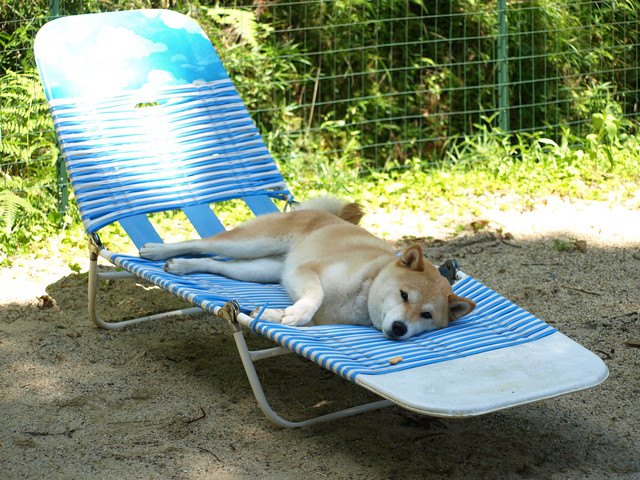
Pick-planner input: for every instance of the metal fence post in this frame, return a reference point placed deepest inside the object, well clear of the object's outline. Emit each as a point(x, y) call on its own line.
point(503, 67)
point(62, 181)
point(54, 9)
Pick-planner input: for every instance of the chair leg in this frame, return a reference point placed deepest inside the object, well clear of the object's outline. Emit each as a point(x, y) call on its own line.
point(256, 387)
point(92, 302)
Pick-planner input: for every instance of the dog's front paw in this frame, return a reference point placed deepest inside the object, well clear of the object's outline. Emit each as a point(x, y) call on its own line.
point(270, 314)
point(154, 251)
point(297, 315)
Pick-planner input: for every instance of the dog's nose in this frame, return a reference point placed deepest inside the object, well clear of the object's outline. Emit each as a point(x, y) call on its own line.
point(398, 328)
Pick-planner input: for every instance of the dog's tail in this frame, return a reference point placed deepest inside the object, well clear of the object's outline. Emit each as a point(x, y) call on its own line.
point(351, 212)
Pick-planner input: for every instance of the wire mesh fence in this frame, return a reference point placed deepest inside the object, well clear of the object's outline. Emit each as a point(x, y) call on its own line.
point(372, 82)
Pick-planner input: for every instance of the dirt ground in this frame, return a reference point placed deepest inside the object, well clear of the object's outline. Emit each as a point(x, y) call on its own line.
point(170, 400)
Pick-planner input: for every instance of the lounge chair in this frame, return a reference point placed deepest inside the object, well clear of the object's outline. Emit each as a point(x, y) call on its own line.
point(149, 121)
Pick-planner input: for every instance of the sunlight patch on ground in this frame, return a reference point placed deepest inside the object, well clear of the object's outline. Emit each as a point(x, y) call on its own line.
point(394, 226)
point(598, 223)
point(27, 279)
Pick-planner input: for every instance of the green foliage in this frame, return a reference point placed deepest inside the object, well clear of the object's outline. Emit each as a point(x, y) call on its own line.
point(384, 82)
point(243, 23)
point(23, 216)
point(26, 128)
point(19, 22)
point(530, 162)
point(392, 102)
point(10, 205)
point(251, 57)
point(28, 200)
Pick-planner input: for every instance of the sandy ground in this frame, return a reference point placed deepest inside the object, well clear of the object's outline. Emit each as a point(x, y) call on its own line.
point(170, 400)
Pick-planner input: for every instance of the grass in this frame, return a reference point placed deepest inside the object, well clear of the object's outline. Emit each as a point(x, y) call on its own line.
point(487, 171)
point(487, 167)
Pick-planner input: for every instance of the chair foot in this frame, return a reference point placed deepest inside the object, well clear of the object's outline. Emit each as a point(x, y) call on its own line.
point(256, 387)
point(95, 318)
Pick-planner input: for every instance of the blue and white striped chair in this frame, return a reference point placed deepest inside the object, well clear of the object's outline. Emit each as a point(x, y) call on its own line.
point(148, 120)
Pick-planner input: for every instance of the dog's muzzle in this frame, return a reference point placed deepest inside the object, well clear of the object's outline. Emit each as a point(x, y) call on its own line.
point(397, 330)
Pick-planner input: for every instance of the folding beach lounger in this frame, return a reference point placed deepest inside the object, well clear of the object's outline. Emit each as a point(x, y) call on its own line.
point(148, 120)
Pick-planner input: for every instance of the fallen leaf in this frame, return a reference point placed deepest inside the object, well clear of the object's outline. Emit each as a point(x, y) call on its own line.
point(45, 301)
point(570, 245)
point(478, 225)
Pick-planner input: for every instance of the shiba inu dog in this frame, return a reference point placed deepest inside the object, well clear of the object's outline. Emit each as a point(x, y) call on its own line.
point(334, 270)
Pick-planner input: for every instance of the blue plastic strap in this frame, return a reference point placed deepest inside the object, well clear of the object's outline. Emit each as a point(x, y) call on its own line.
point(260, 204)
point(140, 230)
point(203, 220)
point(257, 317)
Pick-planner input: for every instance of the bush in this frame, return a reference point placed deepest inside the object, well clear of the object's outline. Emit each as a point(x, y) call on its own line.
point(372, 92)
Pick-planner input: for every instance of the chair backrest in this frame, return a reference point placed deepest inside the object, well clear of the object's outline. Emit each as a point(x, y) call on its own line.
point(148, 120)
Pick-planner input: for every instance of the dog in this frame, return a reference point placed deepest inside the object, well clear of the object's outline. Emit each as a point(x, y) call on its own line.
point(334, 270)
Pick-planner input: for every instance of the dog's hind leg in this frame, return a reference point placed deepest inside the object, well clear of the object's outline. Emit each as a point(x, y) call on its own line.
point(231, 244)
point(263, 236)
point(161, 251)
point(260, 270)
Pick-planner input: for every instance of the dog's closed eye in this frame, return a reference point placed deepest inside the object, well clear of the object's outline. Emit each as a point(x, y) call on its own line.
point(404, 295)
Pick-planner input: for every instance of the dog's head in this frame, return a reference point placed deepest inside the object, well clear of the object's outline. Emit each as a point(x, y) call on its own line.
point(410, 296)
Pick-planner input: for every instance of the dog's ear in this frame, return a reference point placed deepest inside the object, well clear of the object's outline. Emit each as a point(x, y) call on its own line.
point(413, 258)
point(459, 306)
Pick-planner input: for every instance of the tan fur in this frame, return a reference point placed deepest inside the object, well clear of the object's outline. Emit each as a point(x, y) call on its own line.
point(334, 270)
point(352, 213)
